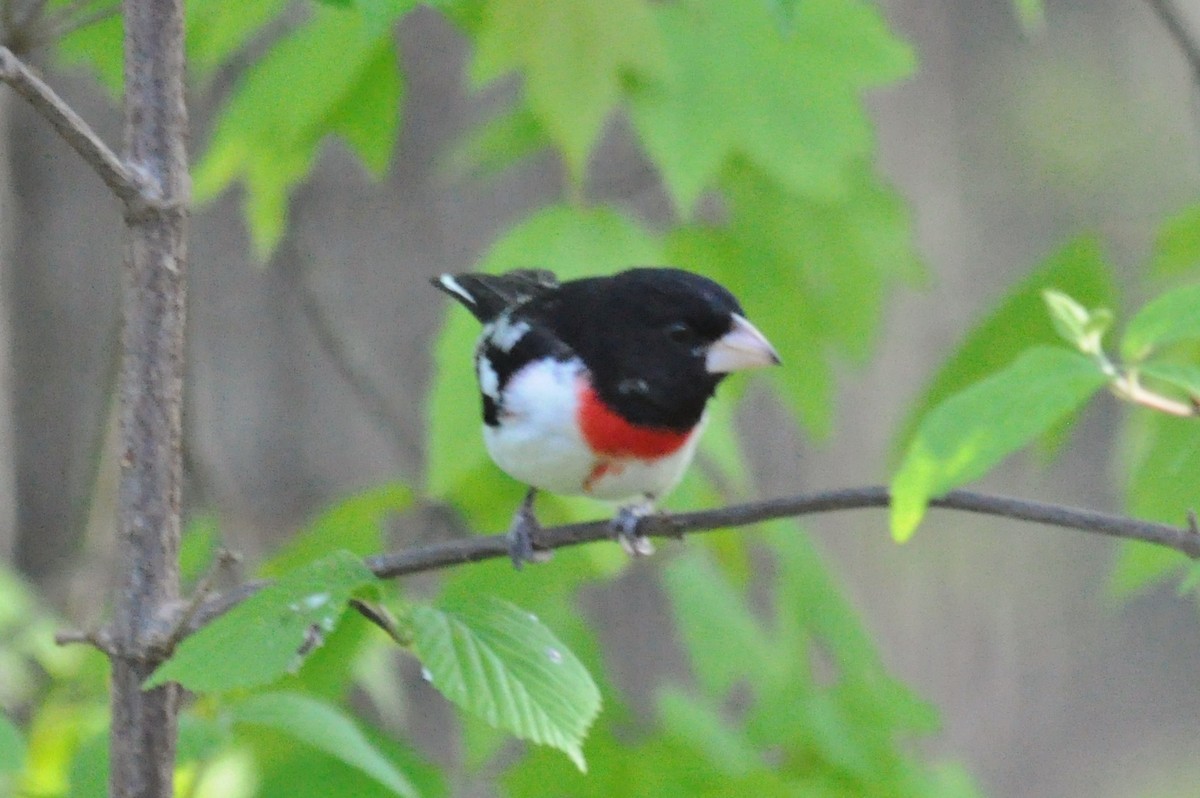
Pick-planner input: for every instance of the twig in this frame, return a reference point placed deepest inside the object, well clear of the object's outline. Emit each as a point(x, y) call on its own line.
point(474, 549)
point(1175, 26)
point(73, 129)
point(1185, 540)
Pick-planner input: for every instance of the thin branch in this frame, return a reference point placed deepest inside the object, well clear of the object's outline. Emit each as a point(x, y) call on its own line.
point(1174, 24)
point(1185, 540)
point(115, 173)
point(474, 549)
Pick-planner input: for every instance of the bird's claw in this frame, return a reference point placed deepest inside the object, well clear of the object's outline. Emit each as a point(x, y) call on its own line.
point(625, 528)
point(521, 532)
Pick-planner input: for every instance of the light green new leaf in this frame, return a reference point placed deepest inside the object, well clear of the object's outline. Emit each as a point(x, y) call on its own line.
point(1169, 318)
point(1177, 247)
point(965, 436)
point(575, 55)
point(1077, 325)
point(12, 747)
point(1018, 322)
point(337, 74)
point(785, 97)
point(270, 633)
point(326, 728)
point(497, 661)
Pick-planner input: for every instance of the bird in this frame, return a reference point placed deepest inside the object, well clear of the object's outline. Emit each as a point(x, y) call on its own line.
point(599, 386)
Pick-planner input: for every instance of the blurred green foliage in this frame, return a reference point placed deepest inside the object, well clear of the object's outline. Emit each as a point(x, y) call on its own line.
point(755, 108)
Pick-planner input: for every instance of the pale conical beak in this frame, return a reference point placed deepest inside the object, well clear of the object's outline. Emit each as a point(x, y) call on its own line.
point(743, 347)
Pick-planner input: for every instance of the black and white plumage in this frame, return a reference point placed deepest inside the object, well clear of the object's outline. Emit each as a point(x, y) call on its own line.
point(599, 386)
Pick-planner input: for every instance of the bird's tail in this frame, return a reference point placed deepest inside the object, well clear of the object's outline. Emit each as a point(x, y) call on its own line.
point(488, 295)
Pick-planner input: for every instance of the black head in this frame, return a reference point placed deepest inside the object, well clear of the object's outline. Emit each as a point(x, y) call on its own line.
point(651, 338)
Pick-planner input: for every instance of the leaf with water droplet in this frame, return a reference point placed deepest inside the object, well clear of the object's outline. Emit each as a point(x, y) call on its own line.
point(272, 632)
point(499, 662)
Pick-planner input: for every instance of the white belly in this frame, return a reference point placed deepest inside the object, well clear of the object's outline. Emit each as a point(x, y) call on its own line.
point(538, 442)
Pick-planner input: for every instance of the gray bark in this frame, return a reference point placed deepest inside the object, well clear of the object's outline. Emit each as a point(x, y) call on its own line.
point(151, 388)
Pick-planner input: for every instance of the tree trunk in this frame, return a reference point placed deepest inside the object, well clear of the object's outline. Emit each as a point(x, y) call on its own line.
point(151, 383)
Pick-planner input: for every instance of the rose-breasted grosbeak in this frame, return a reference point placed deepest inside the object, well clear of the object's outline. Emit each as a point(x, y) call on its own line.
point(598, 386)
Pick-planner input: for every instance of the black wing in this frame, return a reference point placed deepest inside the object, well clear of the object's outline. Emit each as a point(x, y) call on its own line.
point(488, 295)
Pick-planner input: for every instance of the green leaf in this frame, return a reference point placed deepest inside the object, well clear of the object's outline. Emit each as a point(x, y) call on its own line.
point(1168, 319)
point(1184, 376)
point(697, 723)
point(218, 29)
point(1140, 565)
point(199, 544)
point(702, 600)
point(354, 524)
point(325, 728)
point(1031, 14)
point(496, 144)
point(98, 46)
point(337, 74)
point(574, 55)
point(1073, 321)
point(965, 436)
point(12, 747)
point(270, 633)
point(1177, 248)
point(785, 98)
point(497, 661)
point(1019, 322)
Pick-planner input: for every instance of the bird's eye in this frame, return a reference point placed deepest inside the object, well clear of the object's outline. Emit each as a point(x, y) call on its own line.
point(679, 332)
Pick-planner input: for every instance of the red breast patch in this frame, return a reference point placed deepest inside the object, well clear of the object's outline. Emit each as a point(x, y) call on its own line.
point(610, 435)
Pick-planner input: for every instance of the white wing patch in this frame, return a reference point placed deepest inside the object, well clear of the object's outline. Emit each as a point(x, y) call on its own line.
point(450, 284)
point(489, 381)
point(505, 334)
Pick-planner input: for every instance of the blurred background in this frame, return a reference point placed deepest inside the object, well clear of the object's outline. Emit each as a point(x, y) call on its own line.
point(1004, 143)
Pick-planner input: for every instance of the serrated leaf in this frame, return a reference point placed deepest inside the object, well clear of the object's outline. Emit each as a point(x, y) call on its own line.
point(1177, 247)
point(786, 98)
point(574, 55)
point(337, 74)
point(1168, 319)
point(497, 661)
point(270, 633)
point(354, 524)
point(1019, 322)
point(326, 728)
point(12, 747)
point(964, 437)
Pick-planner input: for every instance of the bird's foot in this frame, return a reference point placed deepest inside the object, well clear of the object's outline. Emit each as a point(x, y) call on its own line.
point(625, 529)
point(521, 532)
